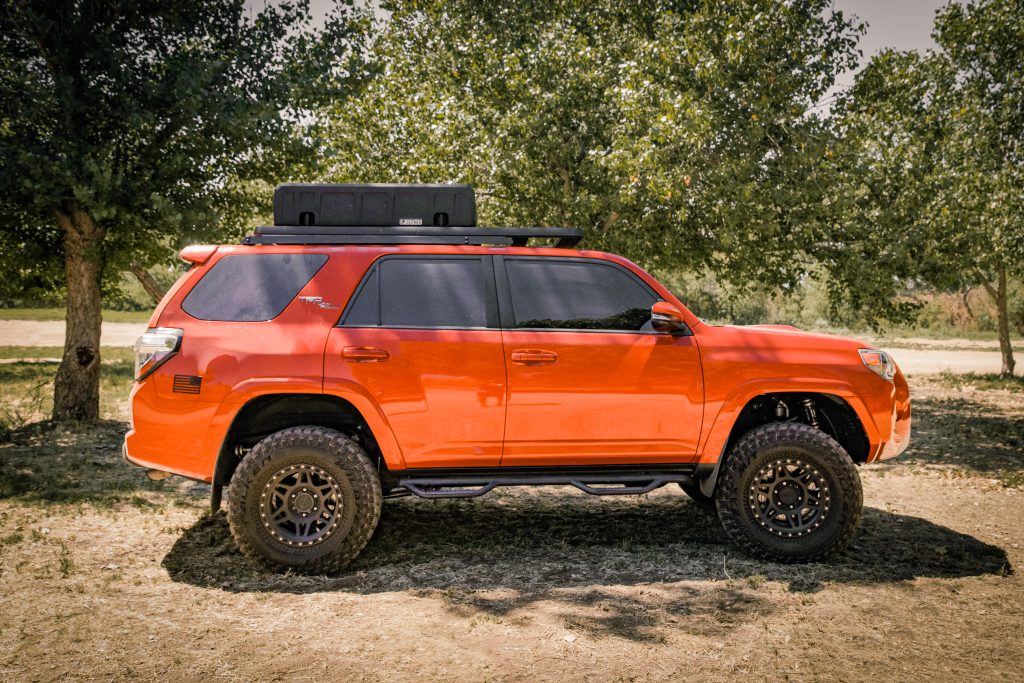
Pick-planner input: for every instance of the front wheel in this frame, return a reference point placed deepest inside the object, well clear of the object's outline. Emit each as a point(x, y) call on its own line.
point(789, 493)
point(305, 498)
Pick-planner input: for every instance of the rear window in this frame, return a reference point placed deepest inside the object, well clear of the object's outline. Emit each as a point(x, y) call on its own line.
point(251, 287)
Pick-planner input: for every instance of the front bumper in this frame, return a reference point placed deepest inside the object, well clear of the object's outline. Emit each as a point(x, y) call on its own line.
point(900, 420)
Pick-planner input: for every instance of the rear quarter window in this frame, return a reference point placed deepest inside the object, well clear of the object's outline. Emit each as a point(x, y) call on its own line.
point(251, 287)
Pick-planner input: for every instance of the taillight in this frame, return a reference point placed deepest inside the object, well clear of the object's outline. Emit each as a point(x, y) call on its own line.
point(879, 362)
point(154, 347)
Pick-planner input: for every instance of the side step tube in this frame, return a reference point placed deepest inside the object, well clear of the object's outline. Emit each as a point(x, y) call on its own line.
point(594, 484)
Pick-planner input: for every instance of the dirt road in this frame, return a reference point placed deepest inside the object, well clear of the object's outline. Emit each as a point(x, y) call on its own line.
point(911, 360)
point(928, 361)
point(51, 333)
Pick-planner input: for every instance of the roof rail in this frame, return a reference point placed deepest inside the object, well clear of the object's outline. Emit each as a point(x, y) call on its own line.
point(344, 234)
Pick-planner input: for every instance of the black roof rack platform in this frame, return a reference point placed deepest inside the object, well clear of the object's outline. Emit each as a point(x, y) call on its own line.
point(402, 234)
point(343, 213)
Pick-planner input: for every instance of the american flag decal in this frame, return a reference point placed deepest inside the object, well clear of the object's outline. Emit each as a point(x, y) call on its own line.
point(187, 384)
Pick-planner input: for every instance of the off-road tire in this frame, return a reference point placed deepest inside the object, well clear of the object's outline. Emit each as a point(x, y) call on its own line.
point(741, 499)
point(703, 503)
point(355, 484)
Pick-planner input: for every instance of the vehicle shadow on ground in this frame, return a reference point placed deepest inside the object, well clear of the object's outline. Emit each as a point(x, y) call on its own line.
point(532, 544)
point(48, 463)
point(964, 433)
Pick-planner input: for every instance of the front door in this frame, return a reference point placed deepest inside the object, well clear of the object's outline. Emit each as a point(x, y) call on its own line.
point(589, 381)
point(421, 335)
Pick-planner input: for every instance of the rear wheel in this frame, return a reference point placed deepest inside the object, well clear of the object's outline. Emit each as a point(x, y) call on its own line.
point(789, 493)
point(305, 498)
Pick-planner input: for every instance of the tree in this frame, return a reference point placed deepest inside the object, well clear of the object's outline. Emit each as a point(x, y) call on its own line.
point(680, 134)
point(126, 124)
point(933, 164)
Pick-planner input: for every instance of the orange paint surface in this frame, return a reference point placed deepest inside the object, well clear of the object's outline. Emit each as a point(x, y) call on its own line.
point(489, 397)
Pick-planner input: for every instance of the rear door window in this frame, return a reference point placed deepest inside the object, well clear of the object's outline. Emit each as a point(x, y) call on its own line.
point(251, 287)
point(577, 295)
point(421, 292)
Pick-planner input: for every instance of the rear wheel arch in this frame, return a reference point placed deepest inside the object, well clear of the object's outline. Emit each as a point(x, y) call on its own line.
point(270, 413)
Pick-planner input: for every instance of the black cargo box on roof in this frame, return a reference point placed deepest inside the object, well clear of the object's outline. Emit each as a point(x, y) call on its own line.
point(374, 205)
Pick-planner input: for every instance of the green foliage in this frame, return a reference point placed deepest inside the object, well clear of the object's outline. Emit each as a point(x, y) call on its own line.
point(160, 120)
point(982, 382)
point(930, 177)
point(680, 134)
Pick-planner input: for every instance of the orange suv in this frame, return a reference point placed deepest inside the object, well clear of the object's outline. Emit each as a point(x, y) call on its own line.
point(375, 343)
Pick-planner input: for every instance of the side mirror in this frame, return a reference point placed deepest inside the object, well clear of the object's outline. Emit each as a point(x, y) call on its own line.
point(666, 318)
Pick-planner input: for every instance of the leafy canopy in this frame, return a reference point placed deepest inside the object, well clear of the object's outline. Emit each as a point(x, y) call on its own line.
point(156, 118)
point(677, 133)
point(932, 168)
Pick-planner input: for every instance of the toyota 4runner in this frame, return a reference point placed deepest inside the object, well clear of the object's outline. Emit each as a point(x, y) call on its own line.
point(374, 342)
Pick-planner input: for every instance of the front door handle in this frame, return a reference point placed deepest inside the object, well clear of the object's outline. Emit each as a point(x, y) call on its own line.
point(534, 357)
point(364, 354)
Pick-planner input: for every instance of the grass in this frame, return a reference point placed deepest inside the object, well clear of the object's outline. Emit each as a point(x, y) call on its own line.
point(11, 539)
point(26, 389)
point(1011, 479)
point(107, 353)
point(67, 565)
point(982, 381)
point(43, 314)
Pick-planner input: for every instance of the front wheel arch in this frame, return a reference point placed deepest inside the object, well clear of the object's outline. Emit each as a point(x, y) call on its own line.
point(830, 414)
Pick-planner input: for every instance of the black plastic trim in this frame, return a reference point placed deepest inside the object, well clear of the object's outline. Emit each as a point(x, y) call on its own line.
point(335, 234)
point(549, 470)
point(594, 480)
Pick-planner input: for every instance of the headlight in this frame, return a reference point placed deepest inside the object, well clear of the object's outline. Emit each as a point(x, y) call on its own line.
point(879, 362)
point(154, 347)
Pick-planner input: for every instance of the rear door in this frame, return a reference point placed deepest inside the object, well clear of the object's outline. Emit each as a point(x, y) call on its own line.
point(589, 380)
point(421, 335)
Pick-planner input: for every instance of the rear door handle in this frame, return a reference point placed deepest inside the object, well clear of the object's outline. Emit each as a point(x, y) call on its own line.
point(534, 357)
point(364, 354)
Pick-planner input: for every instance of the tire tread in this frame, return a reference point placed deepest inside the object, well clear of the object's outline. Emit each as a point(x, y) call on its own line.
point(361, 475)
point(840, 465)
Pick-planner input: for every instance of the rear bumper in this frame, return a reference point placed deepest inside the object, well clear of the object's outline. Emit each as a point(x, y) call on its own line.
point(171, 436)
point(124, 454)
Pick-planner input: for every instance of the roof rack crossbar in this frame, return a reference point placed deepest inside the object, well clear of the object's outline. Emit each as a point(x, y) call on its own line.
point(402, 234)
point(375, 239)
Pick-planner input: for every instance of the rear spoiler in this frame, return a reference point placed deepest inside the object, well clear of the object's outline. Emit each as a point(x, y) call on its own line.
point(197, 254)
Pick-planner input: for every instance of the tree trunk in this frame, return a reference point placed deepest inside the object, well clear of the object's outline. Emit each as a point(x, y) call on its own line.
point(76, 392)
point(148, 282)
point(998, 294)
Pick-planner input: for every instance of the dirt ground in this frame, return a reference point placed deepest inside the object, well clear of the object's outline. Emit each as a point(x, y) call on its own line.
point(107, 576)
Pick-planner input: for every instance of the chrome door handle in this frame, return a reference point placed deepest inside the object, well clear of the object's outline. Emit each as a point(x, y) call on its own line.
point(534, 357)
